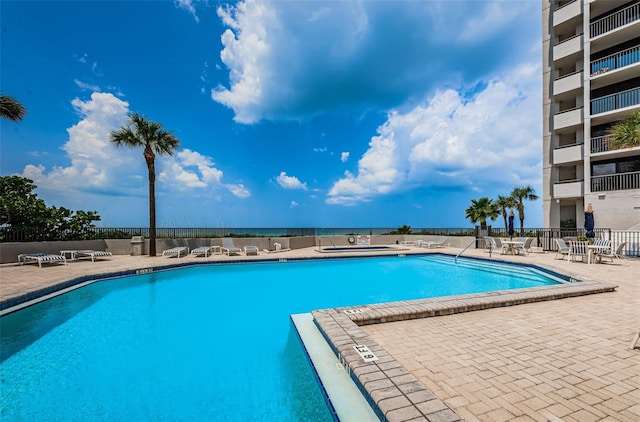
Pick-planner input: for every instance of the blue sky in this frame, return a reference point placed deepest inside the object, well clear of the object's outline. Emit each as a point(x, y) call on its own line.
point(290, 113)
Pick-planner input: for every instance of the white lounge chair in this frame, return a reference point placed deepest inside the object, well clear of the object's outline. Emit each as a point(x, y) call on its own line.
point(563, 249)
point(611, 254)
point(229, 247)
point(92, 254)
point(439, 243)
point(251, 250)
point(277, 247)
point(40, 258)
point(203, 250)
point(177, 251)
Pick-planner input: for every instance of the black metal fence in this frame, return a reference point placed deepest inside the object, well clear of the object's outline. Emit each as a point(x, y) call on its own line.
point(543, 236)
point(10, 234)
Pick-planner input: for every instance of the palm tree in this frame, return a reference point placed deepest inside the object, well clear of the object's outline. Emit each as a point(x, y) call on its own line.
point(504, 203)
point(11, 109)
point(626, 133)
point(520, 194)
point(140, 132)
point(480, 210)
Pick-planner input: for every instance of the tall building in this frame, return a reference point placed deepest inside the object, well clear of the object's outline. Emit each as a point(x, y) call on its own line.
point(591, 80)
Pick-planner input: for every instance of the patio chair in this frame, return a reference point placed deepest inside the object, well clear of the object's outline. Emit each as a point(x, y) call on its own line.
point(493, 244)
point(611, 254)
point(40, 258)
point(229, 247)
point(563, 249)
point(177, 251)
point(578, 249)
point(525, 246)
point(92, 254)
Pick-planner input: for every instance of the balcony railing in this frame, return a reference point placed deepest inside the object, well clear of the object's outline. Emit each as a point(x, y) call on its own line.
point(559, 5)
point(611, 102)
point(601, 144)
point(616, 61)
point(615, 20)
point(621, 181)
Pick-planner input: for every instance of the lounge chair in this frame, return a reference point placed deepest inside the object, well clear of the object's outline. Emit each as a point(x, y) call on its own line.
point(204, 250)
point(251, 250)
point(229, 247)
point(563, 249)
point(277, 247)
point(23, 258)
point(92, 254)
point(177, 251)
point(611, 254)
point(439, 243)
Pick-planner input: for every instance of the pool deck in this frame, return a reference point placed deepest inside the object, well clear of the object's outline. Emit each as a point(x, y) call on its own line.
point(551, 360)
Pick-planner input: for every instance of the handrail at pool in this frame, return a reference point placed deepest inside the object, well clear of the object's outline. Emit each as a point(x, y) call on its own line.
point(320, 243)
point(465, 248)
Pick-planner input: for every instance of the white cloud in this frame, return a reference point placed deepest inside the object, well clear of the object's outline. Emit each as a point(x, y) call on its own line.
point(187, 5)
point(190, 170)
point(491, 136)
point(97, 166)
point(293, 204)
point(86, 86)
point(344, 157)
point(93, 159)
point(290, 182)
point(292, 60)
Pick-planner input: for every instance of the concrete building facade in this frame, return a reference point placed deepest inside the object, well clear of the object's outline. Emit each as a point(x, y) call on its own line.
point(591, 80)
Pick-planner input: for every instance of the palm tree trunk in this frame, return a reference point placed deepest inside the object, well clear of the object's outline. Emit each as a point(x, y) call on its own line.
point(506, 225)
point(150, 158)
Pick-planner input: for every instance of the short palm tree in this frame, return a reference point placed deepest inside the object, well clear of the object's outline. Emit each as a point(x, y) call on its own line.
point(520, 194)
point(626, 133)
point(480, 210)
point(140, 132)
point(11, 109)
point(504, 203)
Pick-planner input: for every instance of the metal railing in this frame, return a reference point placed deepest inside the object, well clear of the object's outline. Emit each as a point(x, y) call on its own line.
point(574, 144)
point(615, 101)
point(564, 40)
point(620, 181)
point(602, 144)
point(568, 110)
point(577, 72)
point(615, 20)
point(616, 61)
point(560, 4)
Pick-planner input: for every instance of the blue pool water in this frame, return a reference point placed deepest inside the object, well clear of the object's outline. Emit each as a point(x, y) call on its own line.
point(202, 343)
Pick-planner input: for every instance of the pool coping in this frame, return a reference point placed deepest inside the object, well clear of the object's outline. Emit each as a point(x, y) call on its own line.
point(392, 391)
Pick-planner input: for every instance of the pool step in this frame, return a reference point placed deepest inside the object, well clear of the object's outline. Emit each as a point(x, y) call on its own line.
point(492, 267)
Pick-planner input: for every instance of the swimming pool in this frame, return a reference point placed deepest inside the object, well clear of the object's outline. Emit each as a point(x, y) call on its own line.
point(202, 343)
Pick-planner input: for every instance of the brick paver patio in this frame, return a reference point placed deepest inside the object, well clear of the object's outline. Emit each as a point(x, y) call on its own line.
point(565, 359)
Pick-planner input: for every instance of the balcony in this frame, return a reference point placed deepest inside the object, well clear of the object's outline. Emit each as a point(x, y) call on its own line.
point(568, 83)
point(568, 154)
point(615, 68)
point(601, 144)
point(624, 99)
point(568, 189)
point(615, 20)
point(612, 182)
point(567, 12)
point(567, 48)
point(568, 118)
